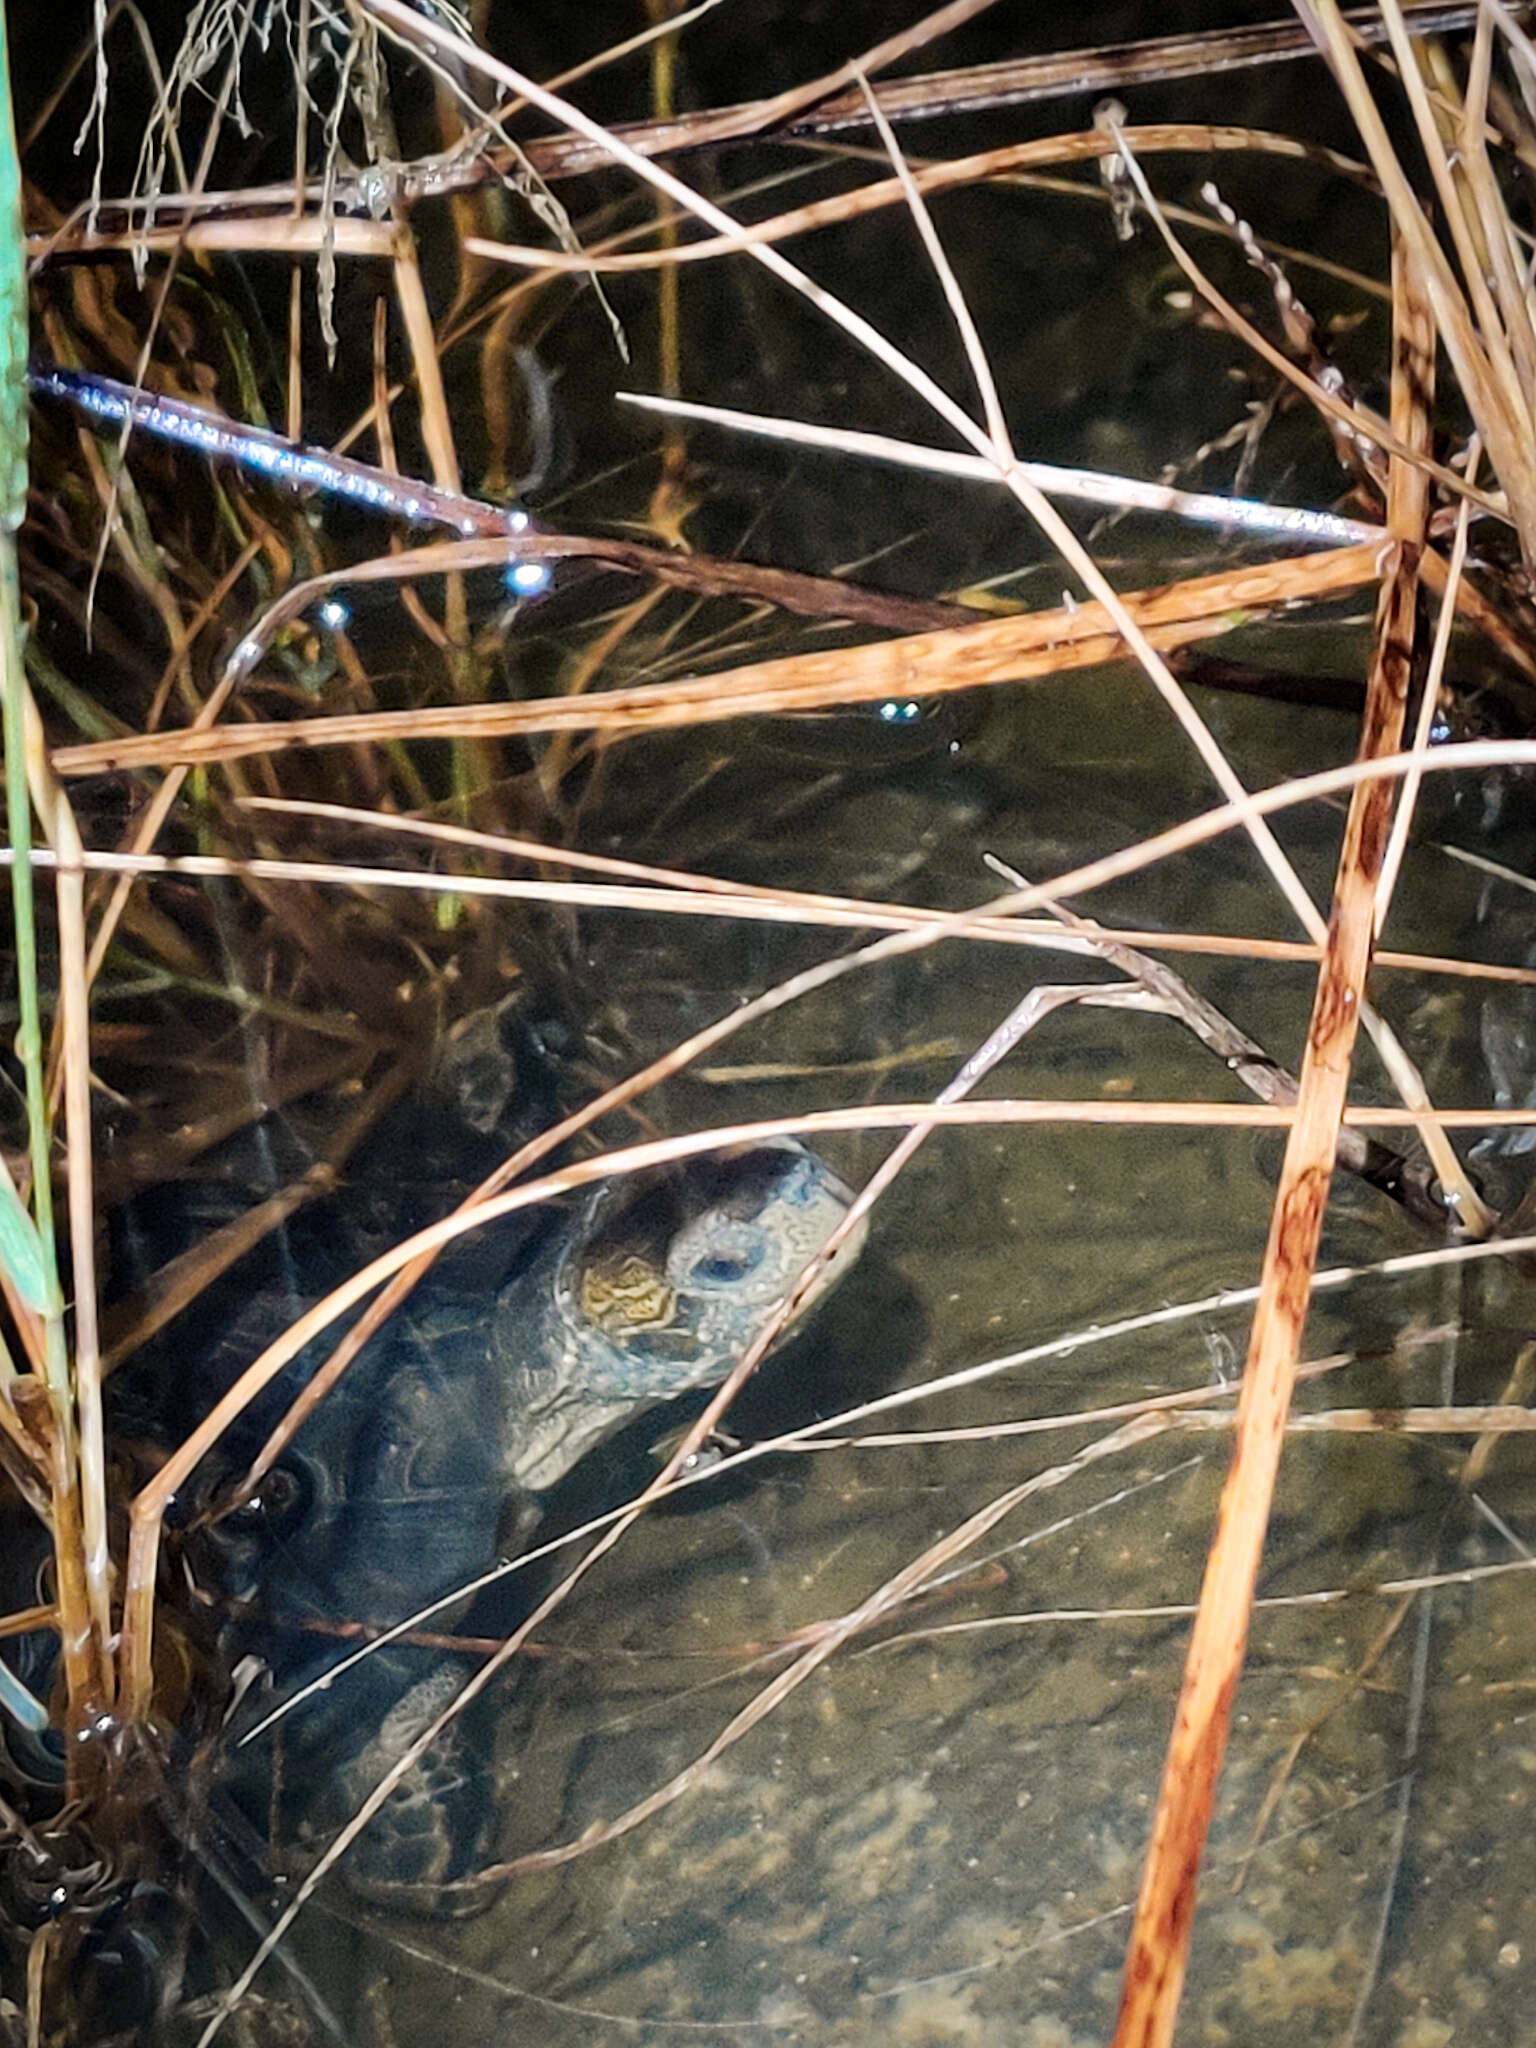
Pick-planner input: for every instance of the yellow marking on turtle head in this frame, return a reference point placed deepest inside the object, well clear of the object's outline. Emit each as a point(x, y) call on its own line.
point(627, 1293)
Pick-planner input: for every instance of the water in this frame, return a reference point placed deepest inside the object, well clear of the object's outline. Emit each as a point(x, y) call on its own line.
point(937, 1839)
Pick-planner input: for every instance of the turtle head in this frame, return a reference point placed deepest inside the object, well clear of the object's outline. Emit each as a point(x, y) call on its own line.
point(660, 1286)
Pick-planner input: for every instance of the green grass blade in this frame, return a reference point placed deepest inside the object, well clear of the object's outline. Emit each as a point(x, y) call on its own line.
point(13, 315)
point(36, 1271)
point(21, 1249)
point(20, 1704)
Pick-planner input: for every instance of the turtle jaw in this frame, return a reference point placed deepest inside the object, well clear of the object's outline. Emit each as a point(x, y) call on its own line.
point(556, 1434)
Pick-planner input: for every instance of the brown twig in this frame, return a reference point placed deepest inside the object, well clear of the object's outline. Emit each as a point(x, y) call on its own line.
point(833, 104)
point(1407, 1182)
point(923, 665)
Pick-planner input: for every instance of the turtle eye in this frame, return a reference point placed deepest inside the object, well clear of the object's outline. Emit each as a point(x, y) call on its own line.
point(731, 1258)
point(280, 1503)
point(725, 1268)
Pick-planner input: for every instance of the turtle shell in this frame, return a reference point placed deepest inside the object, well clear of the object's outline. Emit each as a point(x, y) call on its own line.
point(470, 1400)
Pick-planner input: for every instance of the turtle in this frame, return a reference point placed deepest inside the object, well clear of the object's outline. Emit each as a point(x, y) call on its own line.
point(430, 1460)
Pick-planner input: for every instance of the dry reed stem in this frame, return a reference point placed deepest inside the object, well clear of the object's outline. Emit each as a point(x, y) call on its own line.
point(919, 665)
point(76, 1475)
point(1402, 823)
point(85, 1686)
point(1454, 134)
point(1489, 215)
point(946, 175)
point(1184, 1400)
point(436, 423)
point(1250, 517)
point(1031, 79)
point(1471, 605)
point(703, 896)
point(280, 235)
point(26, 1619)
point(1173, 1610)
point(1137, 1113)
point(1165, 1911)
point(74, 1024)
point(1466, 1419)
point(1046, 933)
point(1475, 250)
point(1516, 1392)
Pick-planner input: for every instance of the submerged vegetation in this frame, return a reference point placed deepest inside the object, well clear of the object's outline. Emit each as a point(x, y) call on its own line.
point(943, 459)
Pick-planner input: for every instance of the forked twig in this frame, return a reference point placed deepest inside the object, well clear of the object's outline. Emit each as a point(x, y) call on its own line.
point(1402, 1180)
